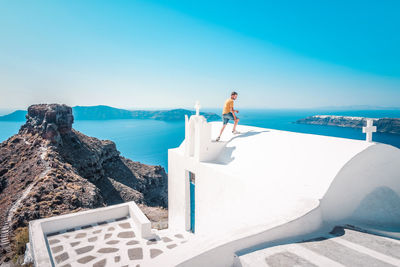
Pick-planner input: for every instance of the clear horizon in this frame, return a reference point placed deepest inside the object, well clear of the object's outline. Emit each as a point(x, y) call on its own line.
point(151, 54)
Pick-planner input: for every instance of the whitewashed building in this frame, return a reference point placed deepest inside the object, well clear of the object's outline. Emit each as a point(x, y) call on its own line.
point(250, 192)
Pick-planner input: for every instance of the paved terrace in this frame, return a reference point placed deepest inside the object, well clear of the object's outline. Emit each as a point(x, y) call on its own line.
point(109, 243)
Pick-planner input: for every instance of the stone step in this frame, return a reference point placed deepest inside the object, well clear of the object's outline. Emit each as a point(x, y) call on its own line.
point(380, 244)
point(343, 247)
point(286, 255)
point(349, 256)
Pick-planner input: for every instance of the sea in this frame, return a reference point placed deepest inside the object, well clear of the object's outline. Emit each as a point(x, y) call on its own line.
point(148, 141)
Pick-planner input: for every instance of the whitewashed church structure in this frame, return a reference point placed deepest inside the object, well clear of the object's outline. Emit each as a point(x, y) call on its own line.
point(232, 202)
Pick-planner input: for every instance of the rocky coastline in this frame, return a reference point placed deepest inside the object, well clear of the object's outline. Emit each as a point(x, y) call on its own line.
point(384, 125)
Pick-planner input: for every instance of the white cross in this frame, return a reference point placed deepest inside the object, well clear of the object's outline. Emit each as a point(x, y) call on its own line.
point(197, 107)
point(369, 129)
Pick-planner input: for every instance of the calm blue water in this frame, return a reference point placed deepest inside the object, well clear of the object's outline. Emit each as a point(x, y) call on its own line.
point(147, 141)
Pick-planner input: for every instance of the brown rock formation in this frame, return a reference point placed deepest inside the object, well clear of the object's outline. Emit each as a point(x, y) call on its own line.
point(49, 121)
point(49, 168)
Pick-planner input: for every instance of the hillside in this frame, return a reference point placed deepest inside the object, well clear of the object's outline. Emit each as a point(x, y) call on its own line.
point(18, 115)
point(49, 168)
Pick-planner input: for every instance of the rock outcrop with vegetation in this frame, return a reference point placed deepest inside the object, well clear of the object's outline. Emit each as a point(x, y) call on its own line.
point(49, 169)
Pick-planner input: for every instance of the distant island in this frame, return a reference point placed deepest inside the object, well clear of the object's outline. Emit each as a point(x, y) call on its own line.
point(358, 107)
point(109, 113)
point(384, 125)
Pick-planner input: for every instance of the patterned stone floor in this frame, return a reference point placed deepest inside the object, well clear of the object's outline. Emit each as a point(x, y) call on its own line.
point(111, 243)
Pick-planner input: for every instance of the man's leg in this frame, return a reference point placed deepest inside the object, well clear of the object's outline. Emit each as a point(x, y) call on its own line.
point(224, 123)
point(234, 126)
point(223, 127)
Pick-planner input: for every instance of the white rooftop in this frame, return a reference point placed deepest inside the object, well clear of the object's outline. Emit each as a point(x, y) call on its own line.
point(287, 172)
point(263, 184)
point(281, 158)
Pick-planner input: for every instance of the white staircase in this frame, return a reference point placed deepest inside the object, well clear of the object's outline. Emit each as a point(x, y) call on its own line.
point(341, 247)
point(4, 236)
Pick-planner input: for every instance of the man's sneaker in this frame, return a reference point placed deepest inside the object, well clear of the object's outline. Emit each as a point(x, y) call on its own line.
point(218, 138)
point(235, 132)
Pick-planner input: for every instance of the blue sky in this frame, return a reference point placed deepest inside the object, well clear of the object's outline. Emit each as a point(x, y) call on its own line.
point(167, 54)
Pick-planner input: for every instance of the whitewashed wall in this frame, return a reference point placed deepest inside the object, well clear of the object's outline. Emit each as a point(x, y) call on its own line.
point(367, 189)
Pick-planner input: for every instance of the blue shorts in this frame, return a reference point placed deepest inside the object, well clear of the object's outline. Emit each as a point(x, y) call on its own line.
point(228, 116)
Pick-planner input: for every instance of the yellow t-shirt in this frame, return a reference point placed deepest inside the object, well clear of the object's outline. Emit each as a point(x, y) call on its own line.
point(228, 106)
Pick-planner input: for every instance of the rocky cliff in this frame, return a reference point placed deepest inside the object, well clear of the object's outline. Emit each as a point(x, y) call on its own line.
point(384, 125)
point(49, 168)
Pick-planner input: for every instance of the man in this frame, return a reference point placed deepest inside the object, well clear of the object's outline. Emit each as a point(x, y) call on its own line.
point(228, 113)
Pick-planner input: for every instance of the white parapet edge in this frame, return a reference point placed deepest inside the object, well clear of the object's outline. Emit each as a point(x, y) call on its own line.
point(142, 224)
point(38, 229)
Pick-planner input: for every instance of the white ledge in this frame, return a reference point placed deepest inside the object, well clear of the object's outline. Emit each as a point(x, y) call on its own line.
point(38, 229)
